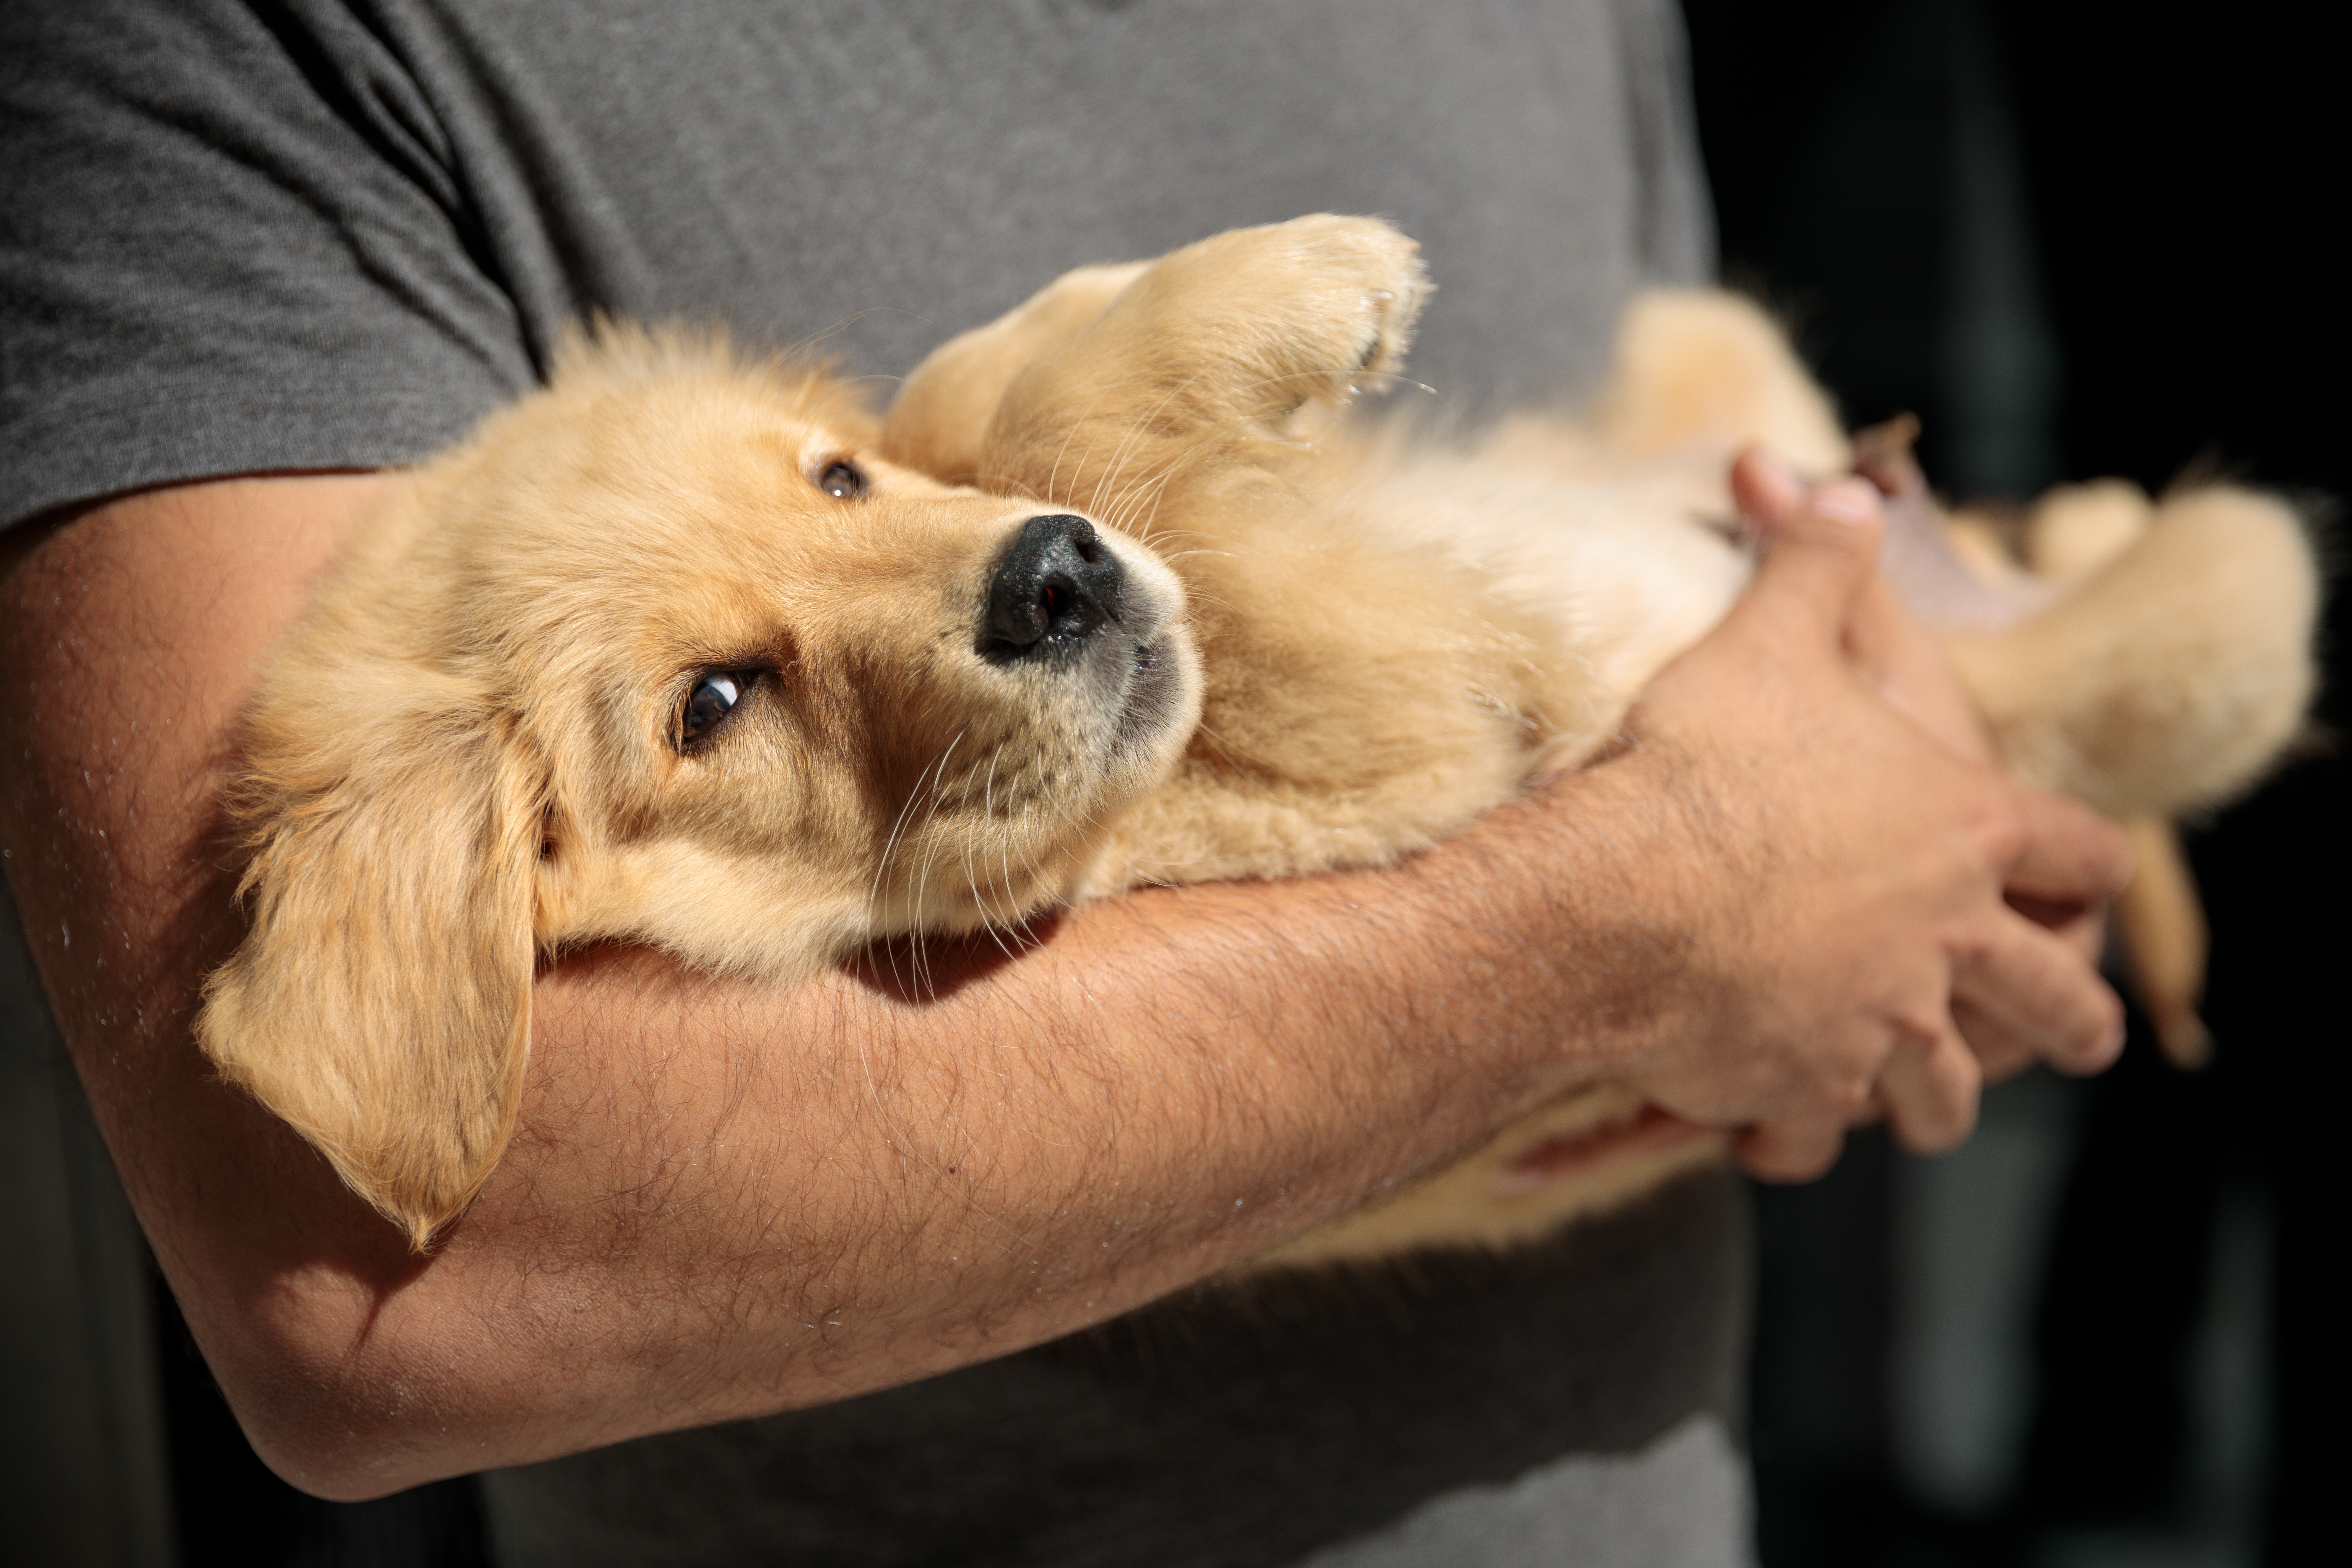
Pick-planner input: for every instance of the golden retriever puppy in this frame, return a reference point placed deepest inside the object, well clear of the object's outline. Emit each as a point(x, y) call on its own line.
point(692, 652)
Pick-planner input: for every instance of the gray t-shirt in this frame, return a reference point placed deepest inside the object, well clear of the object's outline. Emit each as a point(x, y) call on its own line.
point(248, 238)
point(317, 235)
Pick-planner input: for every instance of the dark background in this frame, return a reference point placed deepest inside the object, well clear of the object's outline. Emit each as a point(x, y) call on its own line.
point(2078, 240)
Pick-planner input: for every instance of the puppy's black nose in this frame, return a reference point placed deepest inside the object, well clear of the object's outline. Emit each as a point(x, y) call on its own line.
point(1053, 587)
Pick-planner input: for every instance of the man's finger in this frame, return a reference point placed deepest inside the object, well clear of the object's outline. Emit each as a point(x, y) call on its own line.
point(1929, 1089)
point(1767, 491)
point(2025, 992)
point(1821, 550)
point(2064, 854)
point(1793, 1149)
point(2000, 1052)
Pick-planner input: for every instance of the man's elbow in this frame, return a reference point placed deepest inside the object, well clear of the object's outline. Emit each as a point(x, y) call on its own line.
point(344, 1402)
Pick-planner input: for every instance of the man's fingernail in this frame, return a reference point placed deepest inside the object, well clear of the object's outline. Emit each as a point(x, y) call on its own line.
point(2099, 1057)
point(1848, 501)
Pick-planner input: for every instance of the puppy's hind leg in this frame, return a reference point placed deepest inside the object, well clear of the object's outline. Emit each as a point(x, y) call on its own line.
point(2170, 677)
point(1213, 347)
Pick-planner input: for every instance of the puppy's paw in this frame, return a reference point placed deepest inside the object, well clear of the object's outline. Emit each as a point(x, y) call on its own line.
point(1363, 286)
point(1220, 341)
point(1303, 311)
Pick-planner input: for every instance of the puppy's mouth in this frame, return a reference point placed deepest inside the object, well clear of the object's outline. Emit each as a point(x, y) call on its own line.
point(1154, 694)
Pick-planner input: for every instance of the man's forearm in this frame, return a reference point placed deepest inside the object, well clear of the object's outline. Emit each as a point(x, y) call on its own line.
point(877, 1188)
point(721, 1199)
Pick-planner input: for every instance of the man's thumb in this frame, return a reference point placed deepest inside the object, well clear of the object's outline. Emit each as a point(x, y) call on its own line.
point(1821, 545)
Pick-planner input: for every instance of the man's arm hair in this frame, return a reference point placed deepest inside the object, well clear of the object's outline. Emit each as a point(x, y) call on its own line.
point(725, 1199)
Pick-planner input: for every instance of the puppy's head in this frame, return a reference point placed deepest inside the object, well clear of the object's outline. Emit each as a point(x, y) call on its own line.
point(663, 654)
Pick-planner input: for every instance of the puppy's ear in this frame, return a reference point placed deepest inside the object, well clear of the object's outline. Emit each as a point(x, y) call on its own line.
point(381, 1001)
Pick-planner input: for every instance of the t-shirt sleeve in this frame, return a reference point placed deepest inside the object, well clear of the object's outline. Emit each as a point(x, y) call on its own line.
point(232, 241)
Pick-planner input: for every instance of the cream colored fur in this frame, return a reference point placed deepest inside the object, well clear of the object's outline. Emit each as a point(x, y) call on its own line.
point(1342, 644)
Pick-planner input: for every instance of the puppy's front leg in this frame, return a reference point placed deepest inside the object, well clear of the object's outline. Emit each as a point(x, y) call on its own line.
point(1212, 347)
point(938, 422)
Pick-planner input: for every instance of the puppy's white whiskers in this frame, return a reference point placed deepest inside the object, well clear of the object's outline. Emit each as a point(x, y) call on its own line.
point(990, 922)
point(937, 797)
point(1005, 859)
point(989, 919)
point(1135, 430)
point(1085, 422)
point(1130, 500)
point(882, 866)
point(1394, 379)
point(1054, 478)
point(988, 786)
point(935, 772)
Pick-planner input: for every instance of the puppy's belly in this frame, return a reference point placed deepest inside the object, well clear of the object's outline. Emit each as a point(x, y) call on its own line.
point(1630, 563)
point(1632, 571)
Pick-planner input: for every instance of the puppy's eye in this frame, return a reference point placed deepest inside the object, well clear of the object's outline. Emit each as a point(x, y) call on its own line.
point(712, 697)
point(842, 479)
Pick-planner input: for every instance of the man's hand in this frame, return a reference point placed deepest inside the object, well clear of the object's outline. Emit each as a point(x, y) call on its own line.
point(1877, 836)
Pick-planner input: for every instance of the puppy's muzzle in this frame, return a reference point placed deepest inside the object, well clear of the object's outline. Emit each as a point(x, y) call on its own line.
point(1056, 586)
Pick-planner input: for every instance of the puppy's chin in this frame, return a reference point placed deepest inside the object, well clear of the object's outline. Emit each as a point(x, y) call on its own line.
point(1147, 698)
point(1159, 708)
point(1062, 749)
point(1132, 715)
point(1156, 702)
